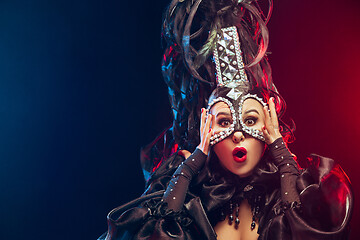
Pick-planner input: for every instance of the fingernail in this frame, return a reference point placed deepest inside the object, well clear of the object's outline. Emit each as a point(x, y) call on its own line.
point(263, 128)
point(202, 110)
point(209, 129)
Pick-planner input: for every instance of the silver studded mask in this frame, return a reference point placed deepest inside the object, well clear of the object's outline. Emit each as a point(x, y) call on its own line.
point(233, 86)
point(221, 94)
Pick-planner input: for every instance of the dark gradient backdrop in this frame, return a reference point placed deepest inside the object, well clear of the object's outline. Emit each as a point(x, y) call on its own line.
point(81, 91)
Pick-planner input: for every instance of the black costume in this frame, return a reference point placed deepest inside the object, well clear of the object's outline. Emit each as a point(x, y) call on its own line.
point(324, 189)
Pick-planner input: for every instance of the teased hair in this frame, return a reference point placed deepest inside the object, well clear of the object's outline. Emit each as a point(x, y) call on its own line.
point(189, 32)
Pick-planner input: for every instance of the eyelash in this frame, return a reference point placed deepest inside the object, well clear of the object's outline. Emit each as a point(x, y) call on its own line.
point(222, 121)
point(254, 119)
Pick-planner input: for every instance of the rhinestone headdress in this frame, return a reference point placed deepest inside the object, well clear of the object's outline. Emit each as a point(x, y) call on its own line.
point(228, 59)
point(233, 85)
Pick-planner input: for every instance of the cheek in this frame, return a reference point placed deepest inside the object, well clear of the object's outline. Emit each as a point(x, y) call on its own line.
point(223, 150)
point(258, 148)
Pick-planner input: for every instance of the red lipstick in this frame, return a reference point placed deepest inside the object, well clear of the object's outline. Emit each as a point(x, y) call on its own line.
point(239, 154)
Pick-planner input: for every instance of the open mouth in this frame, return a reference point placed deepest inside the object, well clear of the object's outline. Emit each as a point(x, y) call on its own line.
point(239, 154)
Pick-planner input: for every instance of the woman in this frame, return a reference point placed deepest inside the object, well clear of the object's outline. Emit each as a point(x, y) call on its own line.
point(240, 181)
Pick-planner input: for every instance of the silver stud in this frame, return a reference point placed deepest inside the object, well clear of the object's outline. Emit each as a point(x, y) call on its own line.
point(282, 157)
point(193, 160)
point(175, 182)
point(286, 193)
point(174, 198)
point(234, 62)
point(282, 175)
point(287, 164)
point(232, 47)
point(171, 190)
point(222, 65)
point(182, 173)
point(237, 77)
point(221, 48)
point(276, 146)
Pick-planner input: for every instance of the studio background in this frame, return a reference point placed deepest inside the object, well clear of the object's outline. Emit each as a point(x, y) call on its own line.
point(81, 92)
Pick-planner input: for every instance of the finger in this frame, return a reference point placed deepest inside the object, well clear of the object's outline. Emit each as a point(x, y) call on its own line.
point(202, 119)
point(266, 134)
point(207, 123)
point(206, 142)
point(208, 136)
point(206, 126)
point(267, 118)
point(269, 127)
point(273, 114)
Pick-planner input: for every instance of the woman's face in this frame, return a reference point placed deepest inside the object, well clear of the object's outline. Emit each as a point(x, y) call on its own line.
point(239, 153)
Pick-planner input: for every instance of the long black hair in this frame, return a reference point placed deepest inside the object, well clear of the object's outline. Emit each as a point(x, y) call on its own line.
point(189, 33)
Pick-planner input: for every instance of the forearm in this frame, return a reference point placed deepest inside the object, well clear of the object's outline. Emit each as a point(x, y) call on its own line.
point(288, 170)
point(178, 186)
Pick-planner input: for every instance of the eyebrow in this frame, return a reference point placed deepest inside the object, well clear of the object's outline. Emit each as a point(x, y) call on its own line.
point(252, 110)
point(223, 113)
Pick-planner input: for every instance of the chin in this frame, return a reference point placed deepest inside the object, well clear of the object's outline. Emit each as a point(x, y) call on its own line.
point(242, 174)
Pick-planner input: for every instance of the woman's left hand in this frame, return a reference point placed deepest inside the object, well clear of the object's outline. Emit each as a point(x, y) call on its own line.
point(271, 129)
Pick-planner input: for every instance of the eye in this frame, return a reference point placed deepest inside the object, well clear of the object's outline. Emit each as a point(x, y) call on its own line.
point(250, 121)
point(224, 122)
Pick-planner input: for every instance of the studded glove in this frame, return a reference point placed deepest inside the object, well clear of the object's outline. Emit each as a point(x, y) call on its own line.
point(178, 186)
point(288, 170)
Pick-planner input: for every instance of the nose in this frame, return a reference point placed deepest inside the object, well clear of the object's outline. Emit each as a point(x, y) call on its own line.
point(238, 136)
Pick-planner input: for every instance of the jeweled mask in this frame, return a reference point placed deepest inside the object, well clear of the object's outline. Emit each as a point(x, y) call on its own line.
point(221, 94)
point(233, 86)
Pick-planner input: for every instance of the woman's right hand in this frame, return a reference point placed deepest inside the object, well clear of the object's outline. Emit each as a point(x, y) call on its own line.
point(205, 131)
